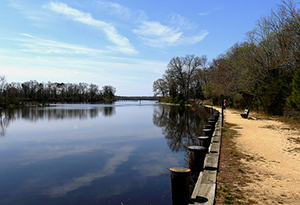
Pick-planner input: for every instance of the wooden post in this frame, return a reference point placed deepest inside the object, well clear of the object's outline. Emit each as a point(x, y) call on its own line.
point(204, 141)
point(207, 132)
point(196, 159)
point(212, 123)
point(209, 127)
point(212, 118)
point(222, 114)
point(216, 115)
point(180, 185)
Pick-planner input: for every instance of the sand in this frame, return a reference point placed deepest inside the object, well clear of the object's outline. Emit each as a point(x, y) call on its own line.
point(274, 150)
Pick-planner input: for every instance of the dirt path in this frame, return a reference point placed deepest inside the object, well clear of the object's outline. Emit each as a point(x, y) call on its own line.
point(274, 150)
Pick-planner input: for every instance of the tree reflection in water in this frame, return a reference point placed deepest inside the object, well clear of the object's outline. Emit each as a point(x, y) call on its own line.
point(51, 113)
point(181, 126)
point(7, 116)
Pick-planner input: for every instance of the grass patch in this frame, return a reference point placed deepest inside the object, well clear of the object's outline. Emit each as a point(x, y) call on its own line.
point(293, 122)
point(232, 175)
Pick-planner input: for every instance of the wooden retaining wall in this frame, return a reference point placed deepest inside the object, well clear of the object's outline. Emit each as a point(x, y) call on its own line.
point(205, 188)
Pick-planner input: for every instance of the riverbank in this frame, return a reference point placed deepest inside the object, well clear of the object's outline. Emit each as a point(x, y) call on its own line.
point(23, 104)
point(267, 156)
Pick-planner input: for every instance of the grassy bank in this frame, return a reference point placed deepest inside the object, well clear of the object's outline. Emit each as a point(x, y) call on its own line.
point(232, 173)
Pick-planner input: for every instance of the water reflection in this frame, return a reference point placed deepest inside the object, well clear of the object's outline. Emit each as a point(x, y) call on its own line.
point(120, 156)
point(181, 126)
point(52, 113)
point(91, 154)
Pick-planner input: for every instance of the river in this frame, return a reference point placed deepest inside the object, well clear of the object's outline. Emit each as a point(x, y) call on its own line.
point(93, 154)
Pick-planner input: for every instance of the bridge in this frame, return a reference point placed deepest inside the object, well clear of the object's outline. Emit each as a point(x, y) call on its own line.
point(135, 98)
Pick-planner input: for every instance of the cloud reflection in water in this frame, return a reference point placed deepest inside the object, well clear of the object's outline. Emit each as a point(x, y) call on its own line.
point(121, 156)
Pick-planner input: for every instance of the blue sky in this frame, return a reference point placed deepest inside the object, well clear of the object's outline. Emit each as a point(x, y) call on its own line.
point(126, 44)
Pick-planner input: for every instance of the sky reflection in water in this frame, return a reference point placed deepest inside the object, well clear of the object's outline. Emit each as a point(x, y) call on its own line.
point(93, 154)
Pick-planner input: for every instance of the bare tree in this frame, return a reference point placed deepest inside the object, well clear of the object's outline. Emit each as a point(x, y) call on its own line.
point(160, 87)
point(2, 83)
point(181, 71)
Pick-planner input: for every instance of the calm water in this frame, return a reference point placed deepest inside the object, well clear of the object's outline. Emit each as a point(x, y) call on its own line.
point(93, 154)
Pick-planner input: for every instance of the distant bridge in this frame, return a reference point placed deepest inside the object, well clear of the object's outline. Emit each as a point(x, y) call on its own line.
point(135, 98)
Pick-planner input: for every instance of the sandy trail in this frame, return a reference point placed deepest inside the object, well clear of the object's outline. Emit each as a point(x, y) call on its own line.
point(274, 150)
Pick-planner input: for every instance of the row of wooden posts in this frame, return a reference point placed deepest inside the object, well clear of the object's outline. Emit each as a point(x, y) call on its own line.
point(180, 176)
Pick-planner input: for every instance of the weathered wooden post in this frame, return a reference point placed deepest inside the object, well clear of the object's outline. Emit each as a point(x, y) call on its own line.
point(212, 118)
point(209, 127)
point(216, 116)
point(211, 121)
point(222, 114)
point(204, 141)
point(207, 132)
point(180, 182)
point(196, 159)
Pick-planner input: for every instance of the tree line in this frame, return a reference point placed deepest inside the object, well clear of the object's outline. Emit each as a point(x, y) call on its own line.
point(19, 94)
point(267, 64)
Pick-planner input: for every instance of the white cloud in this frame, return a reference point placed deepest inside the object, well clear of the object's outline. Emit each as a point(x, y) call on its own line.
point(190, 40)
point(155, 34)
point(33, 44)
point(116, 9)
point(151, 28)
point(182, 22)
point(121, 42)
point(32, 12)
point(208, 12)
point(204, 13)
point(124, 12)
point(83, 73)
point(27, 35)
